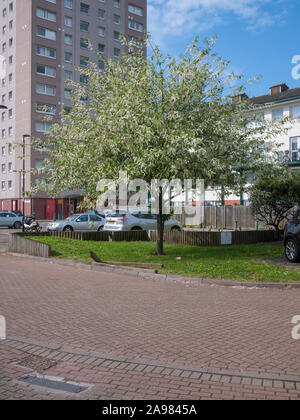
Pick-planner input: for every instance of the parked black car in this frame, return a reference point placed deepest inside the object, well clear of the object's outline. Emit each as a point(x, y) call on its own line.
point(292, 238)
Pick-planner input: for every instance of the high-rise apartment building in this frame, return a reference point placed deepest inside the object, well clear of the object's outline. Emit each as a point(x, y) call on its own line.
point(42, 41)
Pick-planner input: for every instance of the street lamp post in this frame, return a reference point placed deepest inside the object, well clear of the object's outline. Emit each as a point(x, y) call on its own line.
point(24, 137)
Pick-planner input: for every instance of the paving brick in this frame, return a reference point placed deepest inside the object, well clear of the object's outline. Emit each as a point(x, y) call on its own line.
point(203, 327)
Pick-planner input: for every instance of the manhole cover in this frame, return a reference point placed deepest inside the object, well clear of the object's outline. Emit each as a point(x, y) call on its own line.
point(37, 363)
point(49, 383)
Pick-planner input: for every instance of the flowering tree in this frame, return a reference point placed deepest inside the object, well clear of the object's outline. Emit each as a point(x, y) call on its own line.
point(160, 117)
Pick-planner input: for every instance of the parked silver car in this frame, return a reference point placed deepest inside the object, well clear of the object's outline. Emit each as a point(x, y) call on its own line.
point(10, 220)
point(137, 221)
point(78, 223)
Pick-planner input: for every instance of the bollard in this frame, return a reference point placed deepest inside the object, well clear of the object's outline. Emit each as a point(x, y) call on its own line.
point(236, 224)
point(256, 224)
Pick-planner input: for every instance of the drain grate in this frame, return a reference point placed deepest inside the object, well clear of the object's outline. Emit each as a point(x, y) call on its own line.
point(49, 383)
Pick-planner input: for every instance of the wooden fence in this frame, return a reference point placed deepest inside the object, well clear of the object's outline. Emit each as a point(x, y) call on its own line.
point(221, 217)
point(80, 236)
point(189, 238)
point(253, 237)
point(129, 236)
point(217, 238)
point(17, 243)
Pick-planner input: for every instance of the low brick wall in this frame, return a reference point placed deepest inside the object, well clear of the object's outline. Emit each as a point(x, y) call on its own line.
point(17, 243)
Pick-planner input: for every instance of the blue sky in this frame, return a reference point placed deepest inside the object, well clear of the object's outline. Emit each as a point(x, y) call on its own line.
point(259, 37)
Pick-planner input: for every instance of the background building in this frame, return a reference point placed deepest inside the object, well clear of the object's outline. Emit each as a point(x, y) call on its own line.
point(278, 103)
point(41, 43)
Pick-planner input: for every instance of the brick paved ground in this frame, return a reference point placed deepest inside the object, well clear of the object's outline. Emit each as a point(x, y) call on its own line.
point(146, 338)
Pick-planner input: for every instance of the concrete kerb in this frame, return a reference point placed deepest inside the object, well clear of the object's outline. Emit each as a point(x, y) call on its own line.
point(150, 274)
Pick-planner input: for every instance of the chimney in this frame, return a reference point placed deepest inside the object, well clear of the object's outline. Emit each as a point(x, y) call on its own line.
point(237, 99)
point(278, 89)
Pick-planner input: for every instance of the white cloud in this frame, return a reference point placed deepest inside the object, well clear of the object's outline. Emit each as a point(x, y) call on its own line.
point(175, 17)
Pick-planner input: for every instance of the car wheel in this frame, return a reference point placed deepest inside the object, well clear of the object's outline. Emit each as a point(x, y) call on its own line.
point(68, 229)
point(175, 229)
point(100, 229)
point(292, 250)
point(136, 228)
point(17, 225)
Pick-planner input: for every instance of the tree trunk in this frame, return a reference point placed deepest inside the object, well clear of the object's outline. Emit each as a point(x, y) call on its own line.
point(160, 226)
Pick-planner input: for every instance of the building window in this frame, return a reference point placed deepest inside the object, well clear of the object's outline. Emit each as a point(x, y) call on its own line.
point(135, 26)
point(67, 94)
point(68, 4)
point(294, 148)
point(45, 89)
point(101, 48)
point(46, 70)
point(101, 14)
point(45, 51)
point(84, 43)
point(135, 10)
point(278, 114)
point(117, 19)
point(68, 57)
point(46, 109)
point(68, 21)
point(42, 127)
point(46, 33)
point(295, 111)
point(84, 61)
point(84, 8)
point(45, 14)
point(101, 31)
point(84, 26)
point(101, 65)
point(68, 39)
point(68, 75)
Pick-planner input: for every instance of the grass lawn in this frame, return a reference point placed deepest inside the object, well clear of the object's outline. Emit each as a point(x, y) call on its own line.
point(229, 262)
